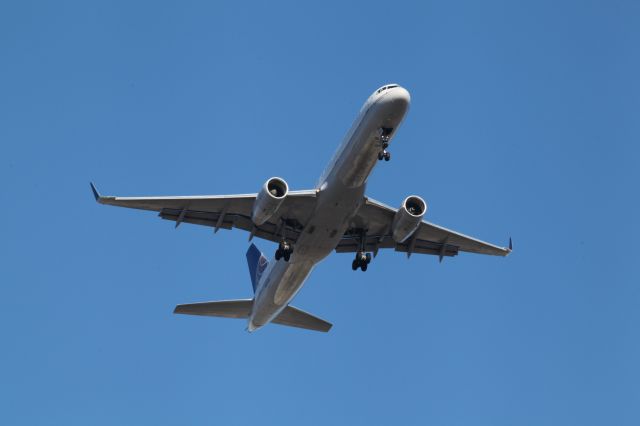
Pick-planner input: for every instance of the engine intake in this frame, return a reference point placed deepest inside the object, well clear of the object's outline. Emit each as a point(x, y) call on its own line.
point(269, 199)
point(408, 218)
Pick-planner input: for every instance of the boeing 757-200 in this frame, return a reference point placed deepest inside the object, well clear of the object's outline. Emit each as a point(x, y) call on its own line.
point(310, 224)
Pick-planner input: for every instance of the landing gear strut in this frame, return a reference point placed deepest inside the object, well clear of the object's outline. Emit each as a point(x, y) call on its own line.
point(362, 259)
point(284, 251)
point(284, 248)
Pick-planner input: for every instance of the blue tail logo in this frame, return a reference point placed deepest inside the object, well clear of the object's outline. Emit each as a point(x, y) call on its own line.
point(257, 262)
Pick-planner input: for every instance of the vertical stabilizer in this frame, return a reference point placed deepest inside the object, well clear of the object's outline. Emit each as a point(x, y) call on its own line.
point(257, 262)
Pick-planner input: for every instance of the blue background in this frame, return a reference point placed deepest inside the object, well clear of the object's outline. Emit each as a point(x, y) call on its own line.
point(524, 123)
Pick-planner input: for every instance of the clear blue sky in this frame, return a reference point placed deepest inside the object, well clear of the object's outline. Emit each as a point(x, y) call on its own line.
point(524, 122)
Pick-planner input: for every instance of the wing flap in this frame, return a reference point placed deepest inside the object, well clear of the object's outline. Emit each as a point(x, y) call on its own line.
point(294, 317)
point(430, 232)
point(267, 231)
point(376, 242)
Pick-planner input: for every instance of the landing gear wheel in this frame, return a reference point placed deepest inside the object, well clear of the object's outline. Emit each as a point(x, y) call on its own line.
point(284, 251)
point(384, 155)
point(361, 261)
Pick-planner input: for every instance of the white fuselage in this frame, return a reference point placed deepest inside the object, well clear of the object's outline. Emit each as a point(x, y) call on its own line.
point(340, 195)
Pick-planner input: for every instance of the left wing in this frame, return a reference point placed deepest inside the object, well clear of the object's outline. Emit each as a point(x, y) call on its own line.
point(376, 218)
point(225, 211)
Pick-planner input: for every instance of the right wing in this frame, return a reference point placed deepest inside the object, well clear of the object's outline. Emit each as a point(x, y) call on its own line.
point(429, 238)
point(225, 211)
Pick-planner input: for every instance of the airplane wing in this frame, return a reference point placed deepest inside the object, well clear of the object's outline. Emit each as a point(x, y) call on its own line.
point(225, 211)
point(432, 239)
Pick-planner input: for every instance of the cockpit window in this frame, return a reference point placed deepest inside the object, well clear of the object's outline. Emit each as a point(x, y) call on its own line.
point(383, 88)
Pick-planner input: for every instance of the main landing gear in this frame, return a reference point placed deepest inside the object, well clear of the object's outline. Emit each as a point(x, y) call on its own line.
point(361, 261)
point(284, 251)
point(385, 137)
point(384, 154)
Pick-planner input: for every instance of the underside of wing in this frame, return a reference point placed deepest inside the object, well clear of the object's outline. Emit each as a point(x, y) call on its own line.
point(377, 219)
point(226, 211)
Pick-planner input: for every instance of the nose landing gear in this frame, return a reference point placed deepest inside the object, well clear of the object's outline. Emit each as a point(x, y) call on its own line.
point(384, 154)
point(385, 137)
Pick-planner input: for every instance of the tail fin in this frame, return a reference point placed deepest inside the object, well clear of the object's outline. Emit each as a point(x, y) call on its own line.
point(257, 262)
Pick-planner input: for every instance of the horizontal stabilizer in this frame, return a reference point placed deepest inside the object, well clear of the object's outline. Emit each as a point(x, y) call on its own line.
point(224, 308)
point(290, 316)
point(294, 317)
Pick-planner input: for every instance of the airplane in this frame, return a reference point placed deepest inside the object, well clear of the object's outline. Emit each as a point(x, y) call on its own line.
point(310, 224)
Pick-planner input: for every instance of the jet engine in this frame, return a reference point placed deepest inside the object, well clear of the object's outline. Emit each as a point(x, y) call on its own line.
point(269, 199)
point(408, 218)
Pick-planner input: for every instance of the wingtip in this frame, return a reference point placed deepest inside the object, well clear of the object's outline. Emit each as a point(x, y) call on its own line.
point(96, 194)
point(510, 244)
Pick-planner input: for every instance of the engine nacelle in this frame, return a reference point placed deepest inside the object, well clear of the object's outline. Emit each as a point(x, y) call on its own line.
point(408, 218)
point(269, 199)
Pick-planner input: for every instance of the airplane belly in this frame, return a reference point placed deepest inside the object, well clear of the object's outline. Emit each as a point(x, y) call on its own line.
point(292, 281)
point(336, 205)
point(280, 286)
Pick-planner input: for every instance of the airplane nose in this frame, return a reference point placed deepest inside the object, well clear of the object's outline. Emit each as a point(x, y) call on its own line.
point(401, 96)
point(395, 98)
